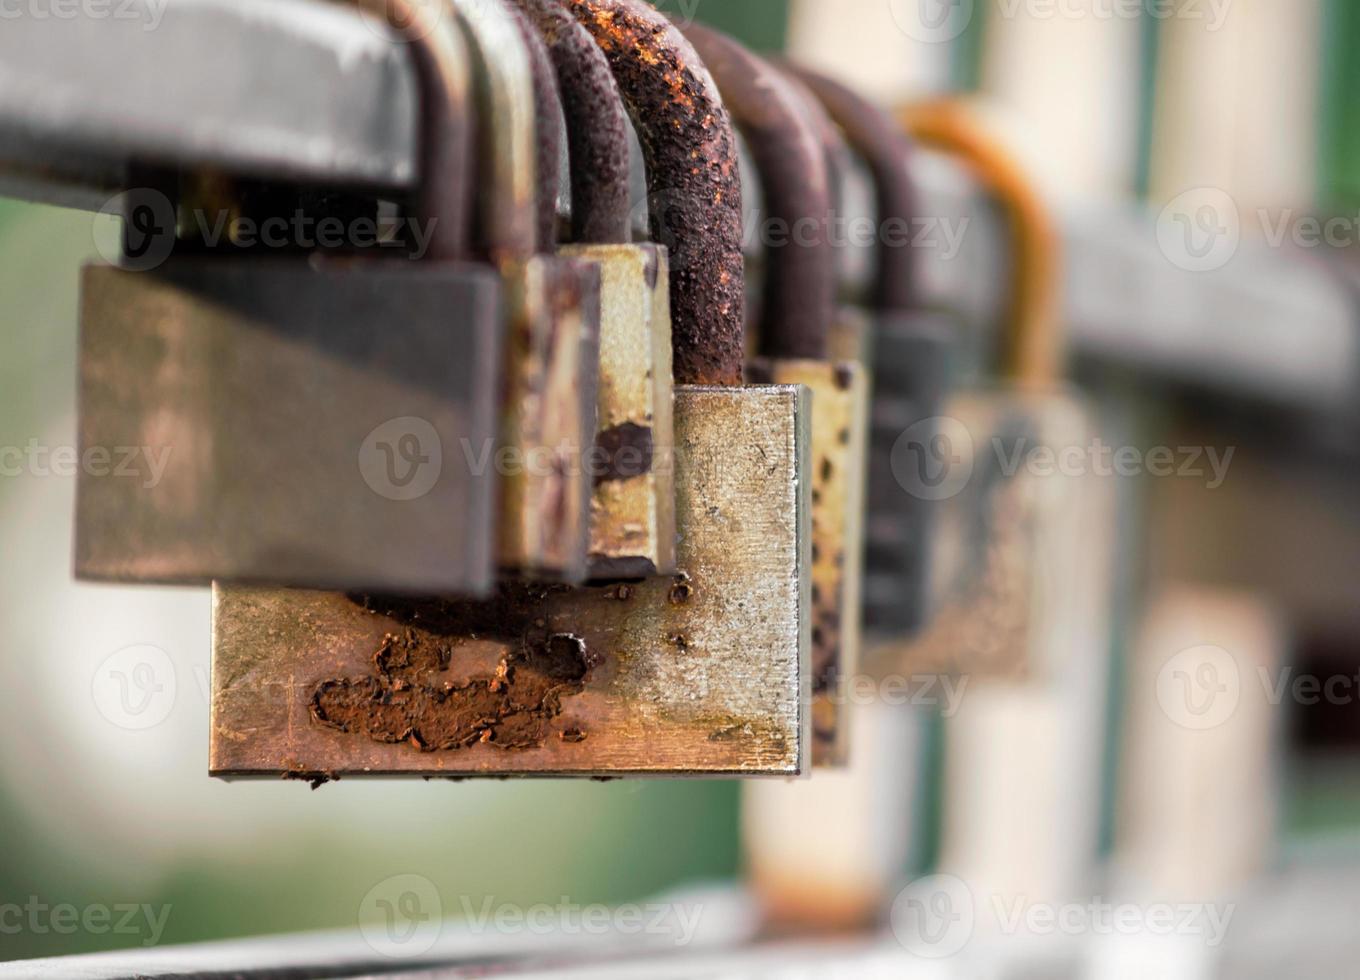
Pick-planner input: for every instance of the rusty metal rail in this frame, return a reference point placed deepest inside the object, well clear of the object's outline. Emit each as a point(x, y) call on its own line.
point(314, 91)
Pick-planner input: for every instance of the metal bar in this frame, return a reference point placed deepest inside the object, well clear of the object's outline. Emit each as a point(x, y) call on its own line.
point(318, 92)
point(301, 88)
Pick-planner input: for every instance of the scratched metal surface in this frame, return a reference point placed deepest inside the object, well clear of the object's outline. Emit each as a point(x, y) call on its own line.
point(705, 674)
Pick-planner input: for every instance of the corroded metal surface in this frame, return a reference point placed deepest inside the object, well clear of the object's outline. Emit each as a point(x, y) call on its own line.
point(548, 122)
point(306, 420)
point(696, 673)
point(548, 396)
point(694, 189)
point(632, 526)
point(840, 410)
point(800, 276)
point(597, 126)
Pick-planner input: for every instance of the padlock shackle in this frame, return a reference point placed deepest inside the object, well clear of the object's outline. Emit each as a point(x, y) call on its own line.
point(447, 121)
point(1032, 355)
point(800, 274)
point(507, 170)
point(694, 184)
point(548, 122)
point(880, 143)
point(596, 123)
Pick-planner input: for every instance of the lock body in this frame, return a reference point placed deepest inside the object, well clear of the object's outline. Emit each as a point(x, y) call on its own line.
point(910, 356)
point(632, 512)
point(840, 408)
point(698, 673)
point(548, 417)
point(313, 422)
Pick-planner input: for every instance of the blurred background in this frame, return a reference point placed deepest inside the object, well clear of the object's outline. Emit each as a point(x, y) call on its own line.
point(1199, 744)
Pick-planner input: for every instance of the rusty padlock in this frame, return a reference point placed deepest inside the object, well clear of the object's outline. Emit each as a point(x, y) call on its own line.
point(552, 305)
point(310, 409)
point(632, 518)
point(795, 324)
point(702, 672)
point(908, 351)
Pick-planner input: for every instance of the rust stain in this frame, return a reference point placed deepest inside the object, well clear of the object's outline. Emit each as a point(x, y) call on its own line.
point(409, 696)
point(406, 699)
point(625, 453)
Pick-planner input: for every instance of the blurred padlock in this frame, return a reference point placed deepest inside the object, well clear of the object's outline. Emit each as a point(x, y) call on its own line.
point(1001, 548)
point(702, 672)
point(632, 517)
point(311, 412)
point(908, 350)
point(795, 323)
point(552, 308)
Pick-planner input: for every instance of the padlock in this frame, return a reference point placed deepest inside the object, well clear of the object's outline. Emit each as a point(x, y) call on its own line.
point(310, 410)
point(552, 303)
point(632, 517)
point(908, 350)
point(702, 672)
point(795, 323)
point(1025, 557)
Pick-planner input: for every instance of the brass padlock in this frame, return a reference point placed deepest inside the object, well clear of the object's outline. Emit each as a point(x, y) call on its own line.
point(795, 325)
point(552, 305)
point(632, 518)
point(702, 672)
point(908, 350)
point(312, 410)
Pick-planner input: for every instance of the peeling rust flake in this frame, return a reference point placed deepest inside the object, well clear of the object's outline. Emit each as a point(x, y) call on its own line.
point(408, 697)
